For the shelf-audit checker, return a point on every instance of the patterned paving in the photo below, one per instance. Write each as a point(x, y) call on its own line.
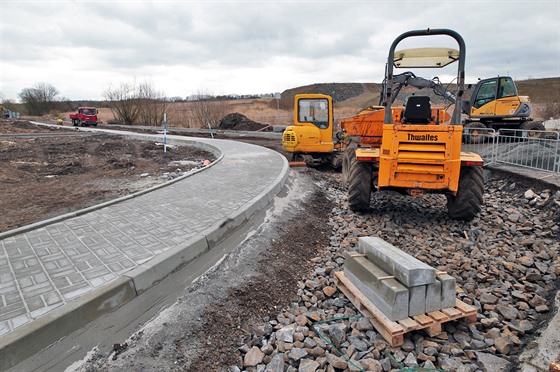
point(45, 268)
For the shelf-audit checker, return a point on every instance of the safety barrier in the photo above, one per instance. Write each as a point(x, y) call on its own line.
point(525, 148)
point(481, 141)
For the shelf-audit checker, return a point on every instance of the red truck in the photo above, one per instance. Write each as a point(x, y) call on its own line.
point(85, 116)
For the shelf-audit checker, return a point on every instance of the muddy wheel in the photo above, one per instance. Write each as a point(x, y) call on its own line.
point(535, 129)
point(348, 154)
point(75, 122)
point(468, 201)
point(359, 184)
point(474, 133)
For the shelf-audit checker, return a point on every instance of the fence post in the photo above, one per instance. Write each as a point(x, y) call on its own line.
point(557, 155)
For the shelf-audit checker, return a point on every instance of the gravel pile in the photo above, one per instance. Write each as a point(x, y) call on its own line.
point(505, 262)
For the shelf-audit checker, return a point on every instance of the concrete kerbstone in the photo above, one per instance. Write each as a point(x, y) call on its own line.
point(32, 337)
point(408, 270)
point(224, 228)
point(261, 201)
point(417, 300)
point(447, 290)
point(257, 204)
point(390, 296)
point(433, 296)
point(279, 182)
point(151, 272)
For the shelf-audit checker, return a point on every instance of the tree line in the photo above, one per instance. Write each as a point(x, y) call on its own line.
point(133, 103)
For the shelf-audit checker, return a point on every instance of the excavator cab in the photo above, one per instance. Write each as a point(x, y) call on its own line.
point(497, 98)
point(496, 104)
point(311, 137)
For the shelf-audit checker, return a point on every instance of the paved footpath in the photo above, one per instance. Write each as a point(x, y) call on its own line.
point(111, 253)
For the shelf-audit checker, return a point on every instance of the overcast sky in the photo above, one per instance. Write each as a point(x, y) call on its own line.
point(242, 47)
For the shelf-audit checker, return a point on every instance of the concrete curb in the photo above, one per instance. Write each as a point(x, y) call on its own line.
point(38, 334)
point(29, 339)
point(149, 274)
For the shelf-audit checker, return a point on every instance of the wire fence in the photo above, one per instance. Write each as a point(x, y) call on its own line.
point(525, 148)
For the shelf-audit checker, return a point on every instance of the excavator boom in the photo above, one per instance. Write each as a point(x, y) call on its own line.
point(409, 79)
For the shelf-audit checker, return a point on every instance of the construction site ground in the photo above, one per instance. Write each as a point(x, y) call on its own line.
point(218, 336)
point(49, 171)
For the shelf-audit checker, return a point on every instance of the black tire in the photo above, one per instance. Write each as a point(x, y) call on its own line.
point(467, 204)
point(533, 125)
point(472, 135)
point(348, 154)
point(75, 122)
point(359, 184)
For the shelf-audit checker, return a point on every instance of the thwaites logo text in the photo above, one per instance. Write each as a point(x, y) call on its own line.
point(422, 137)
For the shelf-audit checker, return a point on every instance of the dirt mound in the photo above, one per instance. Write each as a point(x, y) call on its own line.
point(236, 121)
point(23, 124)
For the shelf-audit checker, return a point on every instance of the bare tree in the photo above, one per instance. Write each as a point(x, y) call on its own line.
point(10, 105)
point(133, 103)
point(40, 99)
point(207, 109)
point(152, 104)
point(123, 102)
point(550, 110)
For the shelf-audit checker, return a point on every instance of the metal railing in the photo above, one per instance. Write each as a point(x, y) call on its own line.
point(525, 148)
point(480, 141)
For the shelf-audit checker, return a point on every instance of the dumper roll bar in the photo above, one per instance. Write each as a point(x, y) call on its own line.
point(456, 117)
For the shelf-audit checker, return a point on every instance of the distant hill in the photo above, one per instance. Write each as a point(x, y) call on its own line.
point(542, 90)
point(338, 91)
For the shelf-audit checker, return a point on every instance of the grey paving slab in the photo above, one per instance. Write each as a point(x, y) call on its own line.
point(53, 264)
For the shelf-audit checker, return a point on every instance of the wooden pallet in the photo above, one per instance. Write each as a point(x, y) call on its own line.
point(393, 331)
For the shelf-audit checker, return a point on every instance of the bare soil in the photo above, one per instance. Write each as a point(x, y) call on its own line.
point(43, 176)
point(204, 328)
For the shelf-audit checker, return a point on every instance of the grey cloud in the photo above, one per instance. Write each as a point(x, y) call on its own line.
point(127, 38)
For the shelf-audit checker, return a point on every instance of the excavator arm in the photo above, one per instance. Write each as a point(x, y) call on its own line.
point(408, 78)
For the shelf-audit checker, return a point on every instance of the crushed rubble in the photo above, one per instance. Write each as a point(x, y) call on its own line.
point(506, 262)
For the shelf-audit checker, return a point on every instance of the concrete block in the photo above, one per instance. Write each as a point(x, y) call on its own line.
point(35, 336)
point(408, 270)
point(224, 228)
point(151, 272)
point(390, 296)
point(447, 290)
point(417, 300)
point(433, 296)
point(254, 206)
